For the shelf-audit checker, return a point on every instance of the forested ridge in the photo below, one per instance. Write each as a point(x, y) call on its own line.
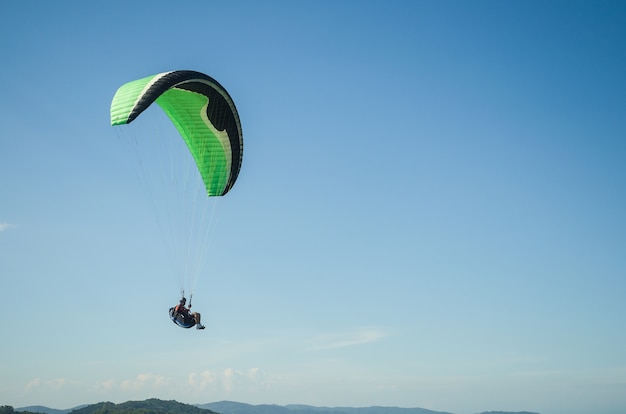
point(151, 406)
point(156, 406)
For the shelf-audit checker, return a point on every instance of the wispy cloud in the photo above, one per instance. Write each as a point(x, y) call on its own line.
point(200, 383)
point(202, 380)
point(234, 379)
point(346, 339)
point(32, 384)
point(142, 381)
point(227, 380)
point(54, 384)
point(6, 226)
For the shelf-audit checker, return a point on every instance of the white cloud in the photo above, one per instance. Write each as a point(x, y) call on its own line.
point(193, 386)
point(146, 380)
point(6, 226)
point(107, 385)
point(202, 380)
point(58, 383)
point(51, 385)
point(228, 380)
point(252, 373)
point(34, 383)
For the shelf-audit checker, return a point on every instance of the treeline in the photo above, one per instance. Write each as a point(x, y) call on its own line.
point(7, 409)
point(152, 406)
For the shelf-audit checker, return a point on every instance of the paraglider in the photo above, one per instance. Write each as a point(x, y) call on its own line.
point(183, 317)
point(205, 117)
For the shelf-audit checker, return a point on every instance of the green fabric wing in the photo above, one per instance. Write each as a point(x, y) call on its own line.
point(204, 115)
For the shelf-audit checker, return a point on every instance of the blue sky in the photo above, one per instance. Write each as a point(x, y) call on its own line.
point(430, 211)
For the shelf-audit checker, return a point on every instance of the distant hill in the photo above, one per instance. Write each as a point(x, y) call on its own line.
point(229, 407)
point(152, 406)
point(45, 410)
point(40, 409)
point(155, 406)
point(507, 412)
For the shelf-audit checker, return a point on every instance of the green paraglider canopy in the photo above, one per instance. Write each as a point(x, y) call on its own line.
point(203, 113)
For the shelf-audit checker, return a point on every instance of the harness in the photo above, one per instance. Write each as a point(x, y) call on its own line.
point(180, 320)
